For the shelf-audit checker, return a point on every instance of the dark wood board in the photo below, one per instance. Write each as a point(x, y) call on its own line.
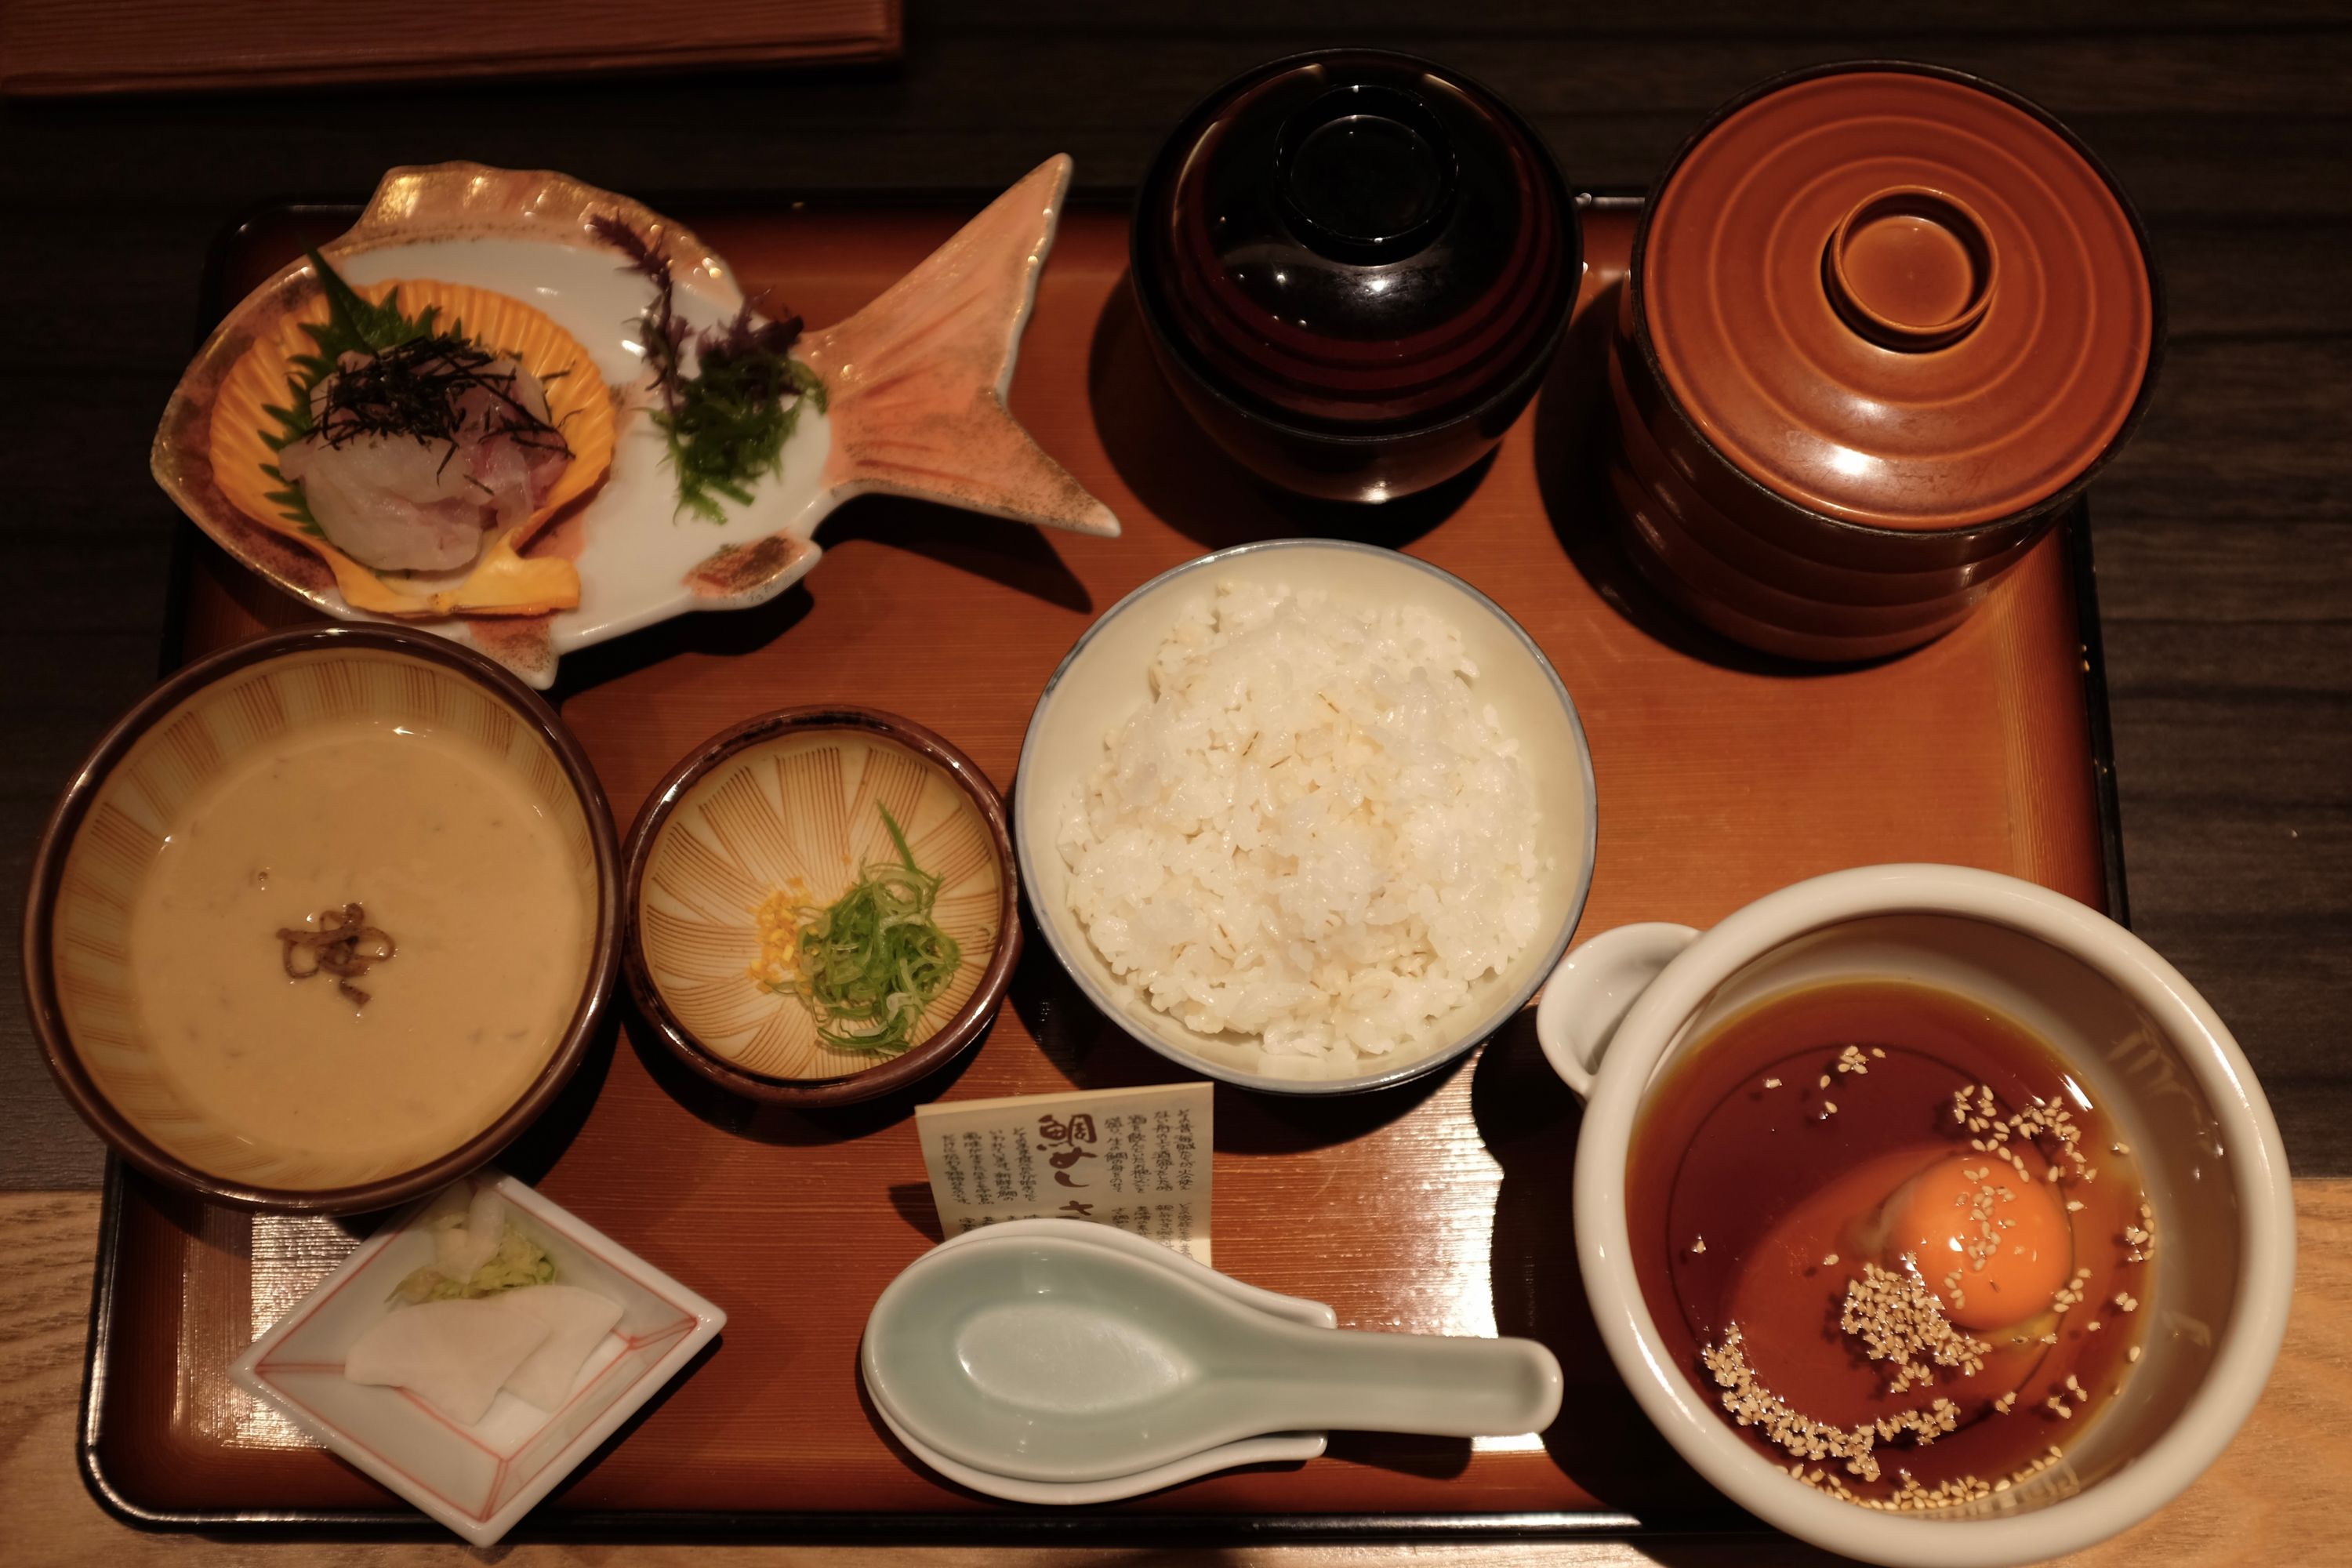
point(63, 48)
point(1438, 1207)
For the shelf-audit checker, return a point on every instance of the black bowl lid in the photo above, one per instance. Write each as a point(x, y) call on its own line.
point(1355, 238)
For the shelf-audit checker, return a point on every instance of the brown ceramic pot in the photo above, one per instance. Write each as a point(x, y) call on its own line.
point(1882, 323)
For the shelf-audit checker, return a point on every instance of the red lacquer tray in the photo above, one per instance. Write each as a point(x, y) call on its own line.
point(1442, 1207)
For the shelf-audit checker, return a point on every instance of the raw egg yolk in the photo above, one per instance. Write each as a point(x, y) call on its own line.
point(1992, 1245)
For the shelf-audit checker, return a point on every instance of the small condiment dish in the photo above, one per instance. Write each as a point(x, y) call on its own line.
point(1060, 1354)
point(1105, 678)
point(115, 819)
point(2149, 1050)
point(478, 1480)
point(786, 803)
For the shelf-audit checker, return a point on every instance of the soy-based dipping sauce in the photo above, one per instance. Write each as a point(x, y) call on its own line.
point(451, 856)
point(1886, 1232)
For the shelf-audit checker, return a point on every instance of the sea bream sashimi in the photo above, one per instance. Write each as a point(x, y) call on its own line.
point(416, 455)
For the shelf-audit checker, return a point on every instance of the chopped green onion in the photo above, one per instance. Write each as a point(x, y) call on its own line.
point(872, 962)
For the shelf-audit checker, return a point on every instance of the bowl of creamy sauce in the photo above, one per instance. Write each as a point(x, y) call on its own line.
point(325, 921)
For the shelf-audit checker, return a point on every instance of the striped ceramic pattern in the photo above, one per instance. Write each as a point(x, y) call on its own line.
point(802, 809)
point(137, 804)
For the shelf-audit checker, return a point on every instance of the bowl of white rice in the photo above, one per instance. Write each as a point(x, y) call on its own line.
point(1307, 815)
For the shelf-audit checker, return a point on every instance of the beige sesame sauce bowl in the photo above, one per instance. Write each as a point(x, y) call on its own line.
point(768, 824)
point(1109, 678)
point(262, 791)
point(1630, 1011)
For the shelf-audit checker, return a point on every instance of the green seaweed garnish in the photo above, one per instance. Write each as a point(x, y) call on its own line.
point(728, 426)
point(354, 325)
point(872, 962)
point(728, 421)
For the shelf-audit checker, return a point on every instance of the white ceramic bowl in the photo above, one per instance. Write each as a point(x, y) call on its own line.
point(1624, 1003)
point(1104, 680)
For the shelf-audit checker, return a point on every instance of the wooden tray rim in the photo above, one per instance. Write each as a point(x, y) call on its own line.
point(1034, 1527)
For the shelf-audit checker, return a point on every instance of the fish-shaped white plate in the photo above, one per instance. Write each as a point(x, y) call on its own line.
point(915, 388)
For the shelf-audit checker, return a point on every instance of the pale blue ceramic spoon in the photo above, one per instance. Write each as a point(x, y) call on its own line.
point(1049, 1355)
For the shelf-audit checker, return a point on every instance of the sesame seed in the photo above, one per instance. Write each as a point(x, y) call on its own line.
point(1751, 1404)
point(1897, 1322)
point(1896, 1318)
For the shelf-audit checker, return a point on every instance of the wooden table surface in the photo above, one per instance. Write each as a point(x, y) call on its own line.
point(2224, 535)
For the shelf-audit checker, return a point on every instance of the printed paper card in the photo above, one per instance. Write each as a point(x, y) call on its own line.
point(1135, 1158)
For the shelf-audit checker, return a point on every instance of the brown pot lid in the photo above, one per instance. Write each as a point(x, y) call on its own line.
point(1898, 298)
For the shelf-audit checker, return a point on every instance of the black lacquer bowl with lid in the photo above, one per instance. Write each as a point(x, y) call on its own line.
point(1356, 267)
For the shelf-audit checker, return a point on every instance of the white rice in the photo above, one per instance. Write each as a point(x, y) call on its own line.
point(1314, 833)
